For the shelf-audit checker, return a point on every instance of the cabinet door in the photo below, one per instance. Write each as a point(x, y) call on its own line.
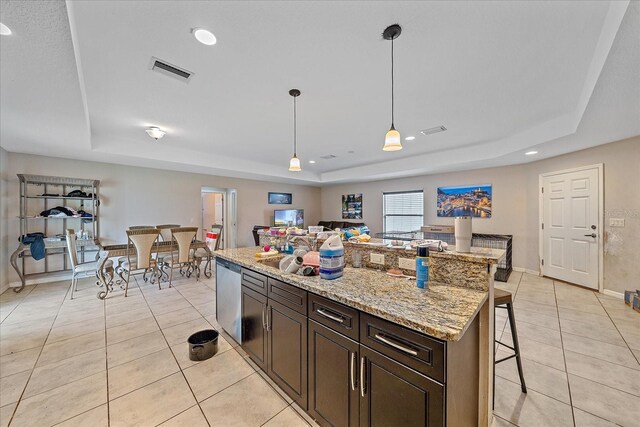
point(254, 333)
point(394, 395)
point(287, 348)
point(333, 377)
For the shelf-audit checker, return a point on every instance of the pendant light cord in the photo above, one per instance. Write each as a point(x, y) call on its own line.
point(392, 94)
point(294, 127)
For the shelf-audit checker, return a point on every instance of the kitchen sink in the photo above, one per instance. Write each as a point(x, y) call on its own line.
point(271, 262)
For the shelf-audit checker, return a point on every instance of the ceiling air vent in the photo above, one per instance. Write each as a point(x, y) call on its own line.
point(328, 157)
point(431, 131)
point(163, 67)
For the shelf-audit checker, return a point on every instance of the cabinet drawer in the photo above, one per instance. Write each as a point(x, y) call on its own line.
point(335, 316)
point(418, 351)
point(288, 295)
point(255, 281)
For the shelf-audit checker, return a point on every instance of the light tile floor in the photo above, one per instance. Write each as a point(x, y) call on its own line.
point(580, 354)
point(125, 361)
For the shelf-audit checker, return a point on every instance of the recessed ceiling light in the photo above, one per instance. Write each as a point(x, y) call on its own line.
point(155, 132)
point(4, 30)
point(410, 138)
point(204, 36)
point(312, 161)
point(530, 153)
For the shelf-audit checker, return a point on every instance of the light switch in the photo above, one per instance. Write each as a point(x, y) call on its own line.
point(616, 222)
point(407, 263)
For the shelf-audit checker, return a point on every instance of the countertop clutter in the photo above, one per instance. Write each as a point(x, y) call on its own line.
point(441, 311)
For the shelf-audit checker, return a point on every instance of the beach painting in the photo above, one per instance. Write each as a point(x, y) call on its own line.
point(469, 200)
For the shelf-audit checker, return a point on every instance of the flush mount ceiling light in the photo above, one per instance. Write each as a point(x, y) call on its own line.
point(155, 132)
point(294, 163)
point(204, 36)
point(392, 138)
point(312, 161)
point(4, 30)
point(530, 153)
point(410, 138)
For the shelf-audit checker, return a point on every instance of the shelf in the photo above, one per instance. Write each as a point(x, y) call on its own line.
point(57, 217)
point(59, 198)
point(58, 180)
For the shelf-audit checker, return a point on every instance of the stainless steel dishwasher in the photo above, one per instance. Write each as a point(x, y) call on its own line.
point(228, 298)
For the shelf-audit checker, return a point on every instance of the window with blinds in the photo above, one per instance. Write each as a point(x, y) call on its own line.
point(403, 211)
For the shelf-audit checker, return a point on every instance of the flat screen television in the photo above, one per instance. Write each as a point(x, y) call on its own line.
point(288, 218)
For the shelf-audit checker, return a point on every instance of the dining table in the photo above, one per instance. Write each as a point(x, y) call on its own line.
point(123, 249)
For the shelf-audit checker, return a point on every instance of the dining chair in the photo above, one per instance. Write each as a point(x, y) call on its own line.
point(86, 268)
point(165, 235)
point(201, 253)
point(144, 241)
point(123, 259)
point(182, 238)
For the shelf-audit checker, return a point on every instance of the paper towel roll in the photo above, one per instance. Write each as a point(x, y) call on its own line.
point(463, 233)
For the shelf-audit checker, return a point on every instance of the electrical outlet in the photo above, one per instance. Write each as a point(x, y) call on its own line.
point(407, 263)
point(376, 259)
point(616, 222)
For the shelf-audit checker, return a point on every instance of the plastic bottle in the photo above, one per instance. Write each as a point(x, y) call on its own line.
point(422, 267)
point(332, 258)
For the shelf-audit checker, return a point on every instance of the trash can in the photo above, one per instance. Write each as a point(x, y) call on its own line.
point(203, 344)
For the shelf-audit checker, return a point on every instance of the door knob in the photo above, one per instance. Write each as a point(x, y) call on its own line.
point(594, 235)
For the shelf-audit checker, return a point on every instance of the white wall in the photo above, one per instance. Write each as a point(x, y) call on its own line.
point(132, 195)
point(515, 204)
point(4, 220)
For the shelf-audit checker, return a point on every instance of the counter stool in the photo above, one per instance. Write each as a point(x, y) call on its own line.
point(503, 299)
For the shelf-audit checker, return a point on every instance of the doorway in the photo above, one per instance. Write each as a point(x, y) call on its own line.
point(219, 208)
point(571, 226)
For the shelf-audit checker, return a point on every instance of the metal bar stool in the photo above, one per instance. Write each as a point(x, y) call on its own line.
point(503, 299)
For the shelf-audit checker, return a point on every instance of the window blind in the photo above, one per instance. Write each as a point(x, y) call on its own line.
point(403, 211)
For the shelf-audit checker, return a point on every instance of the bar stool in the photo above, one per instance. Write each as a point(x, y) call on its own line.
point(503, 299)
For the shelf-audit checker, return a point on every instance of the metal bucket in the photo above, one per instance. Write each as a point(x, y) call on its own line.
point(203, 344)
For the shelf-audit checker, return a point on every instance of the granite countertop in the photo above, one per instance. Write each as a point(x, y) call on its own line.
point(443, 312)
point(478, 255)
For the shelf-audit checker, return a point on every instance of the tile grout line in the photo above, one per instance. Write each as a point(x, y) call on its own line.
point(618, 330)
point(174, 356)
point(39, 354)
point(564, 357)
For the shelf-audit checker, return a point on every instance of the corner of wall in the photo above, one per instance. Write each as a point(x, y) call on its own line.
point(4, 220)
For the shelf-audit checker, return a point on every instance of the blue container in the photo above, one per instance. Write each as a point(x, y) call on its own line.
point(331, 258)
point(422, 267)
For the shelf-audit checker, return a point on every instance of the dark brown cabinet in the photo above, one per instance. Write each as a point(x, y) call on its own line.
point(274, 331)
point(333, 377)
point(349, 368)
point(392, 394)
point(254, 329)
point(287, 351)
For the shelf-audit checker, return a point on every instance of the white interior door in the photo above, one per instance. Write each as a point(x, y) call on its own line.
point(570, 234)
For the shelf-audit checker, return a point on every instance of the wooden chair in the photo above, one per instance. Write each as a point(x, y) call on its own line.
point(86, 268)
point(504, 300)
point(143, 240)
point(182, 238)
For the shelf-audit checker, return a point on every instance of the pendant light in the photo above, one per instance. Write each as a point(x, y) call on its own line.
point(294, 163)
point(392, 138)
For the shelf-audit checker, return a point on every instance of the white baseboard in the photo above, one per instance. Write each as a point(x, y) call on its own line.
point(53, 277)
point(4, 288)
point(613, 293)
point(526, 270)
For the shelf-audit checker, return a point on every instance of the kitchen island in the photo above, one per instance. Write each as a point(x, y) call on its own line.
point(369, 348)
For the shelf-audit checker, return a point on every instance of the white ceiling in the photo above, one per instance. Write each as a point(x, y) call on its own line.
point(503, 77)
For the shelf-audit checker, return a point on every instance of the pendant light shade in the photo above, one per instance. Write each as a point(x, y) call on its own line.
point(392, 138)
point(294, 163)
